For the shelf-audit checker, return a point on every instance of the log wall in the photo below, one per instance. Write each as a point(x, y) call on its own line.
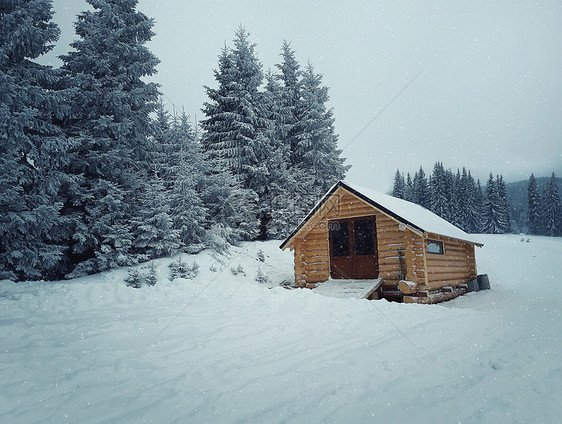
point(312, 250)
point(456, 266)
point(429, 271)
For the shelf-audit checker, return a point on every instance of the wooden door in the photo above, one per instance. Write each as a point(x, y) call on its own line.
point(353, 248)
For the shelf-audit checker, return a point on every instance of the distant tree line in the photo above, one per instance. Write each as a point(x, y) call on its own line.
point(461, 200)
point(95, 173)
point(458, 198)
point(544, 212)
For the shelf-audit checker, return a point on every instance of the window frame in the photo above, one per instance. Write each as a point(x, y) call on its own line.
point(439, 243)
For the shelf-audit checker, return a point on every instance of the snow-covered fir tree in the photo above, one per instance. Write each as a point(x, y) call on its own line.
point(462, 199)
point(234, 124)
point(492, 211)
point(110, 124)
point(399, 187)
point(290, 78)
point(235, 128)
point(503, 205)
point(409, 189)
point(277, 141)
point(154, 233)
point(534, 221)
point(316, 154)
point(440, 191)
point(249, 162)
point(551, 209)
point(189, 178)
point(472, 203)
point(479, 196)
point(278, 202)
point(454, 196)
point(293, 196)
point(421, 189)
point(217, 141)
point(33, 150)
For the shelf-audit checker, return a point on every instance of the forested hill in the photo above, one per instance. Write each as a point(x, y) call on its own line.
point(517, 196)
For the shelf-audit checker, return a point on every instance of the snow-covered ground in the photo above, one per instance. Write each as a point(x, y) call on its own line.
point(223, 348)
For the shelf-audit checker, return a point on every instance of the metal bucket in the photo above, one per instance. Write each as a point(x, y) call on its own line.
point(483, 282)
point(472, 285)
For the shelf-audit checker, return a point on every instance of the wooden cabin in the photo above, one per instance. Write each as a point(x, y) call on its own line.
point(359, 234)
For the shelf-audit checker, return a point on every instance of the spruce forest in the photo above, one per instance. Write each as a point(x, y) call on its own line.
point(96, 173)
point(461, 200)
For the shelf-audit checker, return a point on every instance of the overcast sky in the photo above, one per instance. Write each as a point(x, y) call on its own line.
point(488, 95)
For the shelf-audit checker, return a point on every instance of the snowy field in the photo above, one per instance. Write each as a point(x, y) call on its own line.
point(223, 348)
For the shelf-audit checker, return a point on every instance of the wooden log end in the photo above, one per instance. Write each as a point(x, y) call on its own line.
point(408, 287)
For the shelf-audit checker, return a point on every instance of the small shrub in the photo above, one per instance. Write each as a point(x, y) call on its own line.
point(213, 267)
point(151, 276)
point(261, 256)
point(180, 269)
point(261, 277)
point(237, 270)
point(192, 271)
point(134, 279)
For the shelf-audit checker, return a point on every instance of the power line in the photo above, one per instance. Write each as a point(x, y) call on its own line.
point(382, 110)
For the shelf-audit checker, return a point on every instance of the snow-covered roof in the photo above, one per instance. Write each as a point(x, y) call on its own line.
point(411, 214)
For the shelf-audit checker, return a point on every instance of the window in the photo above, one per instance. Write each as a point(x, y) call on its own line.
point(340, 238)
point(364, 243)
point(436, 247)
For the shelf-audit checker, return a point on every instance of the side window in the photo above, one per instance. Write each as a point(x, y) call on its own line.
point(435, 247)
point(340, 238)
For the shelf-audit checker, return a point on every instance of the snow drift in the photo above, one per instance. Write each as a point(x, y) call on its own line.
point(225, 348)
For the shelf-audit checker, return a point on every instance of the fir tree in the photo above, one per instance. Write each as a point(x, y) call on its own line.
point(189, 178)
point(503, 204)
point(249, 118)
point(314, 163)
point(317, 145)
point(110, 124)
point(317, 155)
point(234, 128)
point(399, 185)
point(479, 208)
point(422, 193)
point(291, 88)
point(472, 205)
point(154, 233)
point(236, 132)
point(278, 203)
point(534, 221)
point(218, 127)
point(409, 189)
point(440, 191)
point(453, 195)
point(551, 209)
point(492, 212)
point(33, 151)
point(463, 199)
